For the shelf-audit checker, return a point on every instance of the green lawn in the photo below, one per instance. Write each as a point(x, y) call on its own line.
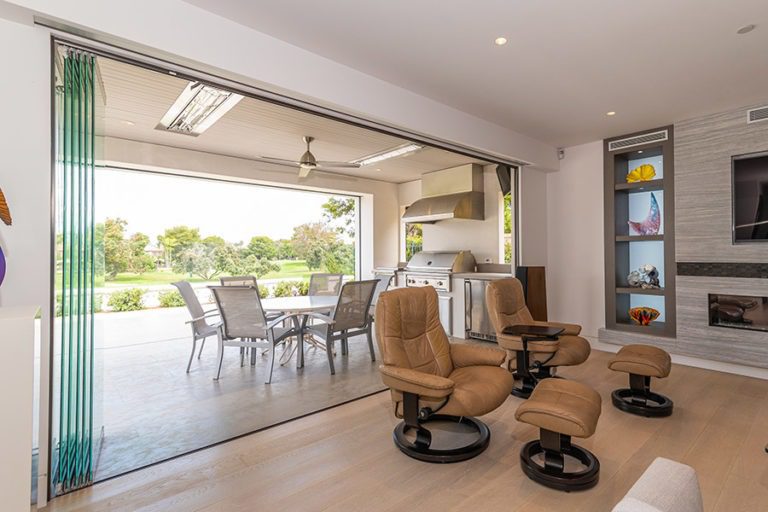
point(293, 269)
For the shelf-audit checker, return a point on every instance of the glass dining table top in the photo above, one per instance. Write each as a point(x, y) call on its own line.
point(300, 304)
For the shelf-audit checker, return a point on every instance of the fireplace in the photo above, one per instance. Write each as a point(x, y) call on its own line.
point(739, 312)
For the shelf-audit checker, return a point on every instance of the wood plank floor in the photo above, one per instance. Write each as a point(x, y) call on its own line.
point(343, 459)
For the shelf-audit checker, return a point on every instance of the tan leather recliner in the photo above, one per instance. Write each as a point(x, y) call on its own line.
point(426, 374)
point(506, 307)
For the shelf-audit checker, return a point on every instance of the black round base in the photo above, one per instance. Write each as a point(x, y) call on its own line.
point(419, 449)
point(650, 405)
point(561, 480)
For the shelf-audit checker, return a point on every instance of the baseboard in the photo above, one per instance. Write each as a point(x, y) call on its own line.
point(736, 369)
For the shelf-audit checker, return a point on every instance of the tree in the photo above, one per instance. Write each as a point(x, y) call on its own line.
point(209, 260)
point(177, 239)
point(116, 251)
point(413, 239)
point(340, 259)
point(214, 241)
point(262, 247)
point(138, 260)
point(341, 212)
point(307, 237)
point(285, 250)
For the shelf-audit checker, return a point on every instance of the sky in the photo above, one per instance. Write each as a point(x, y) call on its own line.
point(236, 212)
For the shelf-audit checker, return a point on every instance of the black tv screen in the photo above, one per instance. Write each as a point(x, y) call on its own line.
point(750, 198)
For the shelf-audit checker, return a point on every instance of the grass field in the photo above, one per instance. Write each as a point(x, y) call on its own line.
point(291, 269)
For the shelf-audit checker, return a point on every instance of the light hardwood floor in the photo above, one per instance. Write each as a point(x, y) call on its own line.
point(343, 459)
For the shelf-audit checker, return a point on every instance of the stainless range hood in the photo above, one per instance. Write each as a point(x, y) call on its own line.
point(455, 193)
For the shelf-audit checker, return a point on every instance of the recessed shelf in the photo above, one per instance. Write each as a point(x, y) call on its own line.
point(640, 291)
point(655, 328)
point(640, 186)
point(640, 238)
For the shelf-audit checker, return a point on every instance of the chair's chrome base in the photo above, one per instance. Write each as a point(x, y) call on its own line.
point(420, 448)
point(648, 404)
point(552, 473)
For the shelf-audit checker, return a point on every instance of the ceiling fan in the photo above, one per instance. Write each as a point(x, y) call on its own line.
point(308, 162)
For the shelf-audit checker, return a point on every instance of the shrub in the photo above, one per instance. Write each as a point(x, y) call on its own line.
point(131, 299)
point(263, 291)
point(170, 299)
point(98, 302)
point(286, 288)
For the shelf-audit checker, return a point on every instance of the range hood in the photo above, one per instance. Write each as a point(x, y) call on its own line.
point(455, 193)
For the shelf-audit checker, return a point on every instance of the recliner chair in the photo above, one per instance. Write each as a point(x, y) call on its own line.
point(505, 301)
point(428, 375)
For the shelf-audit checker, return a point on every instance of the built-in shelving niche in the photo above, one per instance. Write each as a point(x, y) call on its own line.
point(625, 249)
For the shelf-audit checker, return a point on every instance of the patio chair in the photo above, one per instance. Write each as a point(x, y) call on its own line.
point(350, 318)
point(201, 329)
point(325, 284)
point(245, 325)
point(382, 286)
point(245, 281)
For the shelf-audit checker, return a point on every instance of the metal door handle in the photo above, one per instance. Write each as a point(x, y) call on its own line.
point(467, 305)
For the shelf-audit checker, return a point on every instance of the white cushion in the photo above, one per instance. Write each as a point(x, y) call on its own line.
point(666, 486)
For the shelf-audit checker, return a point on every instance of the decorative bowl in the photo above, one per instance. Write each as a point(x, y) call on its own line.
point(643, 315)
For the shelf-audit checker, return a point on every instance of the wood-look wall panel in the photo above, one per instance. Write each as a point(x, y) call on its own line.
point(703, 150)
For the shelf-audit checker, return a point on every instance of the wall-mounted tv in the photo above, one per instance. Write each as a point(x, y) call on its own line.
point(750, 198)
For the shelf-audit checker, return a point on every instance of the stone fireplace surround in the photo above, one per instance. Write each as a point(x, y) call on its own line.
point(708, 262)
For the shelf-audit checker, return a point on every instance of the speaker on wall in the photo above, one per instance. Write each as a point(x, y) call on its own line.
point(504, 174)
point(534, 284)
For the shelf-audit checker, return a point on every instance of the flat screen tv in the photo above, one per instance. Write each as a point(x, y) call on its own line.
point(750, 198)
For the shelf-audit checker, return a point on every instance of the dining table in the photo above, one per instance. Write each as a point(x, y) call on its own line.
point(302, 306)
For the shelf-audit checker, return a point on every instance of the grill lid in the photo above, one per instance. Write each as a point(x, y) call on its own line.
point(442, 261)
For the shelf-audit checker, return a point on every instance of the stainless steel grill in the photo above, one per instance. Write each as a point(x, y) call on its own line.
point(433, 268)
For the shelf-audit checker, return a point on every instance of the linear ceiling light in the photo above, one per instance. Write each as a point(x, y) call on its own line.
point(387, 154)
point(197, 108)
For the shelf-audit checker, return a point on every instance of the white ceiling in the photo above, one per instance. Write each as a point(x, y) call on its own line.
point(137, 98)
point(567, 62)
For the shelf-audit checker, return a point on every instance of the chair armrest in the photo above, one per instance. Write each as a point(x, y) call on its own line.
point(568, 329)
point(209, 315)
point(473, 355)
point(423, 384)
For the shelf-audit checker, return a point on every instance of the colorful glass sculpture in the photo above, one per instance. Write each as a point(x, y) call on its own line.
point(2, 265)
point(5, 212)
point(645, 172)
point(643, 315)
point(651, 224)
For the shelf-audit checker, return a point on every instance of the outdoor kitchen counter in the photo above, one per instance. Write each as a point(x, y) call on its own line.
point(482, 275)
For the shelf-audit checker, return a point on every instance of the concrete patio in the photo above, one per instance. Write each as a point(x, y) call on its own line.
point(151, 409)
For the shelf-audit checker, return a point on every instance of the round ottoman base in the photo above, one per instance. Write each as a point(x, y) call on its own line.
point(559, 479)
point(648, 404)
point(420, 447)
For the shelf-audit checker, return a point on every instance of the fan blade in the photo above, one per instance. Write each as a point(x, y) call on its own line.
point(277, 161)
point(304, 172)
point(338, 165)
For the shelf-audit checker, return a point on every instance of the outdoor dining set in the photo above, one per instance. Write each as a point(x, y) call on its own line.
point(331, 311)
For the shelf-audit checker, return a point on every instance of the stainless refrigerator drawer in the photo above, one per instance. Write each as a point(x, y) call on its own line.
point(477, 322)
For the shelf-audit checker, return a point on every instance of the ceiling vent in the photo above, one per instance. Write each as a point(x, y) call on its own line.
point(756, 115)
point(638, 140)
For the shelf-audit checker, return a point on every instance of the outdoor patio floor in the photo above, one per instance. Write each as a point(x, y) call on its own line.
point(152, 410)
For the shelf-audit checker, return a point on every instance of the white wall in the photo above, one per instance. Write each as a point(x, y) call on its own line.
point(379, 205)
point(575, 258)
point(25, 179)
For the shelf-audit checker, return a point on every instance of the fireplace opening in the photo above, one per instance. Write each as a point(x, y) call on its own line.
point(739, 312)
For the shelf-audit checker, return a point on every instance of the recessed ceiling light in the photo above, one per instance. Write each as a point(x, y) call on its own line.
point(746, 29)
point(127, 122)
point(500, 41)
point(640, 152)
point(611, 113)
